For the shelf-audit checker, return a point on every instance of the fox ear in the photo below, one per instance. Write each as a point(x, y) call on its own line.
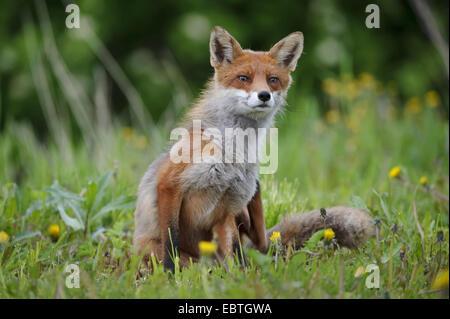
point(223, 47)
point(288, 50)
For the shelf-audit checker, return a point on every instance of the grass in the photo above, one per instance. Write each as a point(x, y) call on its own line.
point(324, 160)
point(83, 177)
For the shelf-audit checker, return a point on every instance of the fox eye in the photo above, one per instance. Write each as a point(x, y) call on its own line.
point(243, 78)
point(273, 79)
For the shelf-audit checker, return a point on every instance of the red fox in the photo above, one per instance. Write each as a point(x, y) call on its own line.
point(180, 204)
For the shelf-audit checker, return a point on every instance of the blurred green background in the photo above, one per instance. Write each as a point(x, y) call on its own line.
point(141, 64)
point(163, 45)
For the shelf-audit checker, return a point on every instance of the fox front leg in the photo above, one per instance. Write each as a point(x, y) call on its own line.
point(229, 243)
point(257, 230)
point(169, 204)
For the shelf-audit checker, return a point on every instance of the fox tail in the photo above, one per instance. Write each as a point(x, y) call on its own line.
point(352, 227)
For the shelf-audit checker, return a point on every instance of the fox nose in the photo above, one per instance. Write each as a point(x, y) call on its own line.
point(264, 96)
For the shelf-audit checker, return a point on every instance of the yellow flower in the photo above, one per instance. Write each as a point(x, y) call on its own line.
point(141, 142)
point(275, 236)
point(395, 172)
point(366, 80)
point(207, 248)
point(359, 271)
point(328, 234)
point(53, 231)
point(330, 86)
point(360, 110)
point(441, 280)
point(353, 124)
point(423, 180)
point(413, 106)
point(432, 99)
point(332, 116)
point(351, 91)
point(127, 133)
point(3, 237)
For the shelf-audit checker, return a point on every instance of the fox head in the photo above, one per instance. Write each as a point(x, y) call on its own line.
point(253, 83)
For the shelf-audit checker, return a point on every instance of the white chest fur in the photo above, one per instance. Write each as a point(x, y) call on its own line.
point(236, 181)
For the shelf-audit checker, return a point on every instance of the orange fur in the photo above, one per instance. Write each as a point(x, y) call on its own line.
point(259, 67)
point(187, 216)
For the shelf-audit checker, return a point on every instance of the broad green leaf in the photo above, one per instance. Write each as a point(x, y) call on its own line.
point(120, 203)
point(69, 221)
point(78, 211)
point(386, 256)
point(97, 232)
point(383, 204)
point(358, 202)
point(91, 193)
point(311, 243)
point(299, 258)
point(60, 196)
point(26, 235)
point(261, 260)
point(102, 184)
point(36, 205)
point(57, 191)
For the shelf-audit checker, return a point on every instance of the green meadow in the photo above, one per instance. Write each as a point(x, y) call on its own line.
point(342, 158)
point(72, 153)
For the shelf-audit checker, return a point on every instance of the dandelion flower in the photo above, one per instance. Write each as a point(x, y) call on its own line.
point(53, 231)
point(328, 235)
point(141, 142)
point(432, 99)
point(359, 271)
point(127, 133)
point(361, 109)
point(423, 180)
point(351, 91)
point(441, 280)
point(413, 106)
point(275, 236)
point(395, 172)
point(3, 237)
point(353, 124)
point(330, 86)
point(366, 80)
point(332, 116)
point(207, 248)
